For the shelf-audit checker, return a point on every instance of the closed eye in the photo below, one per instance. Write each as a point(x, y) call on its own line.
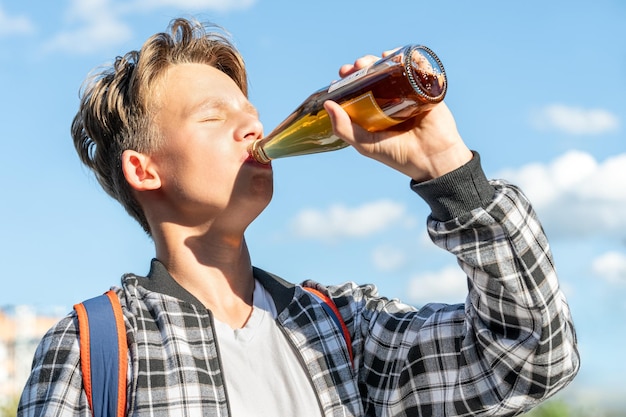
point(212, 119)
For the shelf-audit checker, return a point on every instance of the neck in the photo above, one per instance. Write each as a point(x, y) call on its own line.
point(215, 268)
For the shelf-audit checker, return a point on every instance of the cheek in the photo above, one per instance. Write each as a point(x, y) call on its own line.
point(191, 178)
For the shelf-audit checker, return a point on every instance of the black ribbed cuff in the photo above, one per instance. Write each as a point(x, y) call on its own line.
point(457, 192)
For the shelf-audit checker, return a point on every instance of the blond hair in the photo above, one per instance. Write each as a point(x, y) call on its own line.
point(116, 111)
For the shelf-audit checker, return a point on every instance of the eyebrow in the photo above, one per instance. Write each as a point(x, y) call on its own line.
point(219, 103)
point(249, 107)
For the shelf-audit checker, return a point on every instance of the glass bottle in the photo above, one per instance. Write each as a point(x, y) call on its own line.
point(388, 92)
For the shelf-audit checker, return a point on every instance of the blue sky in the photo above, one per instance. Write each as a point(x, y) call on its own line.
point(537, 87)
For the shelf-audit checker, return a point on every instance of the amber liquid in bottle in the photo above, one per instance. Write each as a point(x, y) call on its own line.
point(392, 90)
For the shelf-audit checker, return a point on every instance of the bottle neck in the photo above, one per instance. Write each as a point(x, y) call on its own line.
point(257, 152)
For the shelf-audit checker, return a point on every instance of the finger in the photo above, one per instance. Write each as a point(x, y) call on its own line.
point(366, 61)
point(346, 69)
point(362, 62)
point(342, 125)
point(389, 52)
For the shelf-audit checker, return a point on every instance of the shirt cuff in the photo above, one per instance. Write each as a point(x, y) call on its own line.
point(457, 192)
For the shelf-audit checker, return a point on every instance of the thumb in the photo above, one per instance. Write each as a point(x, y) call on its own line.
point(342, 125)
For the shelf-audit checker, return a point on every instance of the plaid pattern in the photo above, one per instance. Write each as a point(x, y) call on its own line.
point(510, 345)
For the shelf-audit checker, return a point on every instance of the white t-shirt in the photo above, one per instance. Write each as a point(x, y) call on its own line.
point(262, 373)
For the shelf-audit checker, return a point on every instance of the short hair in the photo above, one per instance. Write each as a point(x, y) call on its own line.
point(116, 112)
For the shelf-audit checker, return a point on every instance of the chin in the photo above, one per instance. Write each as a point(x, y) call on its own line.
point(254, 211)
point(255, 194)
point(262, 188)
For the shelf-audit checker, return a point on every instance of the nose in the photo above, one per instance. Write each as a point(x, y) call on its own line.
point(250, 129)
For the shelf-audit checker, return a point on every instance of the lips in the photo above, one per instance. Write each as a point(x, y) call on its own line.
point(251, 161)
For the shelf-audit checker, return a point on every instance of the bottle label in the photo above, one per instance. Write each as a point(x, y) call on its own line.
point(364, 111)
point(347, 80)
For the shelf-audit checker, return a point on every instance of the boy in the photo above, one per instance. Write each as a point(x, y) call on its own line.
point(166, 132)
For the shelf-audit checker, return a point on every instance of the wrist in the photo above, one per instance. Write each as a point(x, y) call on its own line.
point(439, 164)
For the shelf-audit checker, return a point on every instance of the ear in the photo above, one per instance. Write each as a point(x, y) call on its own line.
point(139, 171)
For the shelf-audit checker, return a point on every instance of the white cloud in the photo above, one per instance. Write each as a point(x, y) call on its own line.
point(340, 221)
point(217, 5)
point(387, 258)
point(576, 195)
point(575, 120)
point(14, 25)
point(97, 24)
point(449, 285)
point(610, 267)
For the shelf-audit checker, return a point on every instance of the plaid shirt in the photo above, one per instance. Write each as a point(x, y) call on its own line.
point(509, 346)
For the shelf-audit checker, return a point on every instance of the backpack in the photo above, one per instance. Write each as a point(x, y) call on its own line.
point(104, 349)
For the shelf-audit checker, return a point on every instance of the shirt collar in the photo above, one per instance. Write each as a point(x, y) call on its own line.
point(159, 280)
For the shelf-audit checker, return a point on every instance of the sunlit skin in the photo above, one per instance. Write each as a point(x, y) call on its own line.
point(201, 190)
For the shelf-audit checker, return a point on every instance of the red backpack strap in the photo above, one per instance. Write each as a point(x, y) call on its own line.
point(103, 354)
point(330, 307)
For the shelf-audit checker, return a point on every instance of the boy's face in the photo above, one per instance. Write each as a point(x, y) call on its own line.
point(205, 169)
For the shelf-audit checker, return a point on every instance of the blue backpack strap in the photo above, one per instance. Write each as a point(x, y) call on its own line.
point(103, 354)
point(333, 312)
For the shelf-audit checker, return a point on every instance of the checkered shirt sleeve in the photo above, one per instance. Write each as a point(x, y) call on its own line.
point(55, 386)
point(511, 345)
